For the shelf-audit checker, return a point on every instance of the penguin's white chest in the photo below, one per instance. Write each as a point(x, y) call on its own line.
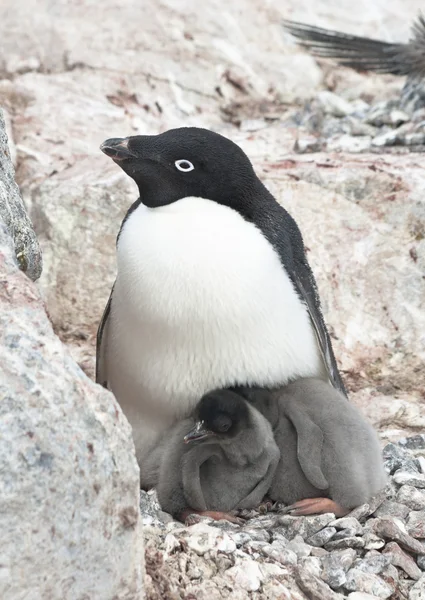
point(201, 301)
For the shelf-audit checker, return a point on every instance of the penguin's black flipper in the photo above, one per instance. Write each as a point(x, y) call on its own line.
point(308, 293)
point(309, 445)
point(362, 53)
point(101, 340)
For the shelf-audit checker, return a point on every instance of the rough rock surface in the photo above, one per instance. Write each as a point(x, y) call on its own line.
point(69, 518)
point(13, 213)
point(275, 556)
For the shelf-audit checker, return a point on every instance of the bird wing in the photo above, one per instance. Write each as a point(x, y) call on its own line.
point(362, 53)
point(101, 344)
point(309, 445)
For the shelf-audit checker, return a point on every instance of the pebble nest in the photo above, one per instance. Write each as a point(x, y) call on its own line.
point(376, 551)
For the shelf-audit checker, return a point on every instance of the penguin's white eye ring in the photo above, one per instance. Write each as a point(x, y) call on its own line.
point(184, 165)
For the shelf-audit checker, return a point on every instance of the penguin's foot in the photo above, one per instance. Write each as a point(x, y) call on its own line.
point(315, 506)
point(190, 516)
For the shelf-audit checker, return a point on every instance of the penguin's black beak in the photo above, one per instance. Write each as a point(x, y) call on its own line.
point(199, 432)
point(117, 149)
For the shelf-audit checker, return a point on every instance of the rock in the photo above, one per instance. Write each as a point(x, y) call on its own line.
point(284, 556)
point(358, 580)
point(416, 524)
point(364, 510)
point(401, 559)
point(321, 537)
point(69, 507)
point(361, 596)
point(315, 588)
point(298, 546)
point(333, 104)
point(421, 562)
point(374, 563)
point(372, 541)
point(202, 538)
point(388, 528)
point(348, 542)
point(347, 523)
point(392, 509)
point(14, 215)
point(411, 497)
point(396, 458)
point(413, 442)
point(345, 533)
point(405, 478)
point(335, 567)
point(304, 526)
point(417, 592)
point(246, 574)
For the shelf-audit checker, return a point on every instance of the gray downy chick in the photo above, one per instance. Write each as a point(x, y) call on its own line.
point(331, 459)
point(222, 459)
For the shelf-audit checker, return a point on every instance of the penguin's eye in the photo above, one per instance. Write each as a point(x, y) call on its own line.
point(223, 424)
point(184, 165)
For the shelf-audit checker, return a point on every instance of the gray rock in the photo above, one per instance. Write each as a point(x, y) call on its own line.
point(14, 214)
point(69, 509)
point(313, 586)
point(322, 537)
point(372, 541)
point(406, 478)
point(300, 548)
point(333, 104)
point(360, 581)
point(348, 542)
point(303, 526)
point(392, 509)
point(417, 592)
point(360, 512)
point(396, 458)
point(416, 524)
point(411, 497)
point(361, 596)
point(277, 552)
point(413, 442)
point(335, 567)
point(401, 559)
point(345, 533)
point(374, 563)
point(421, 561)
point(388, 528)
point(347, 523)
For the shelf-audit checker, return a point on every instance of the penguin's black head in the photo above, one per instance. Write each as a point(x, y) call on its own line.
point(220, 416)
point(184, 162)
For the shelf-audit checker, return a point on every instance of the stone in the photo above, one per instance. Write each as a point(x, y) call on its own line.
point(374, 563)
point(361, 596)
point(347, 523)
point(303, 526)
point(335, 567)
point(202, 538)
point(413, 442)
point(333, 104)
point(345, 533)
point(411, 497)
point(322, 537)
point(388, 528)
point(348, 542)
point(396, 458)
point(284, 556)
point(393, 509)
point(246, 574)
point(416, 524)
point(372, 541)
point(417, 592)
point(401, 559)
point(14, 214)
point(358, 580)
point(405, 478)
point(315, 588)
point(421, 561)
point(69, 504)
point(298, 546)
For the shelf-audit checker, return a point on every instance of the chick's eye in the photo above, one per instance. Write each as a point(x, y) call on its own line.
point(184, 165)
point(223, 424)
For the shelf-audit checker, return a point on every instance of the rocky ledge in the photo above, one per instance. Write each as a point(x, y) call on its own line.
point(377, 551)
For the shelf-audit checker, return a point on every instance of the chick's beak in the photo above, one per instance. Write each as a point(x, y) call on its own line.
point(199, 432)
point(117, 149)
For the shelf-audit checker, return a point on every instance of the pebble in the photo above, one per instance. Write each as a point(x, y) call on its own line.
point(374, 563)
point(370, 583)
point(347, 523)
point(282, 555)
point(322, 537)
point(416, 524)
point(396, 458)
point(334, 105)
point(344, 533)
point(411, 497)
point(421, 561)
point(414, 442)
point(298, 546)
point(400, 558)
point(393, 509)
point(361, 596)
point(405, 478)
point(335, 567)
point(372, 541)
point(389, 529)
point(304, 526)
point(246, 574)
point(349, 542)
point(314, 587)
point(417, 592)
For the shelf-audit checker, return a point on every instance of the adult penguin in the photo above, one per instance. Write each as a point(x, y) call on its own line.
point(213, 286)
